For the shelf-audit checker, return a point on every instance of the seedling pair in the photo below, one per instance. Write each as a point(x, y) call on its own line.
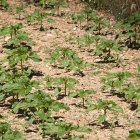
point(66, 58)
point(67, 83)
point(60, 129)
point(83, 15)
point(131, 29)
point(115, 81)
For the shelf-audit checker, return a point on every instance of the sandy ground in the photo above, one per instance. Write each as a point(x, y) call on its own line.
point(49, 40)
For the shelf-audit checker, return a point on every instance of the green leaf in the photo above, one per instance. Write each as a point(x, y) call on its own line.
point(83, 129)
point(101, 118)
point(50, 20)
point(6, 132)
point(2, 97)
point(35, 57)
point(57, 90)
point(134, 134)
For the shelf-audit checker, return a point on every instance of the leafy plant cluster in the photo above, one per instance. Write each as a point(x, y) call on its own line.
point(134, 134)
point(105, 106)
point(66, 58)
point(38, 16)
point(54, 5)
point(101, 105)
point(118, 85)
point(131, 30)
point(38, 105)
point(4, 4)
point(6, 132)
point(26, 97)
point(94, 22)
point(19, 49)
point(107, 50)
point(16, 82)
point(68, 85)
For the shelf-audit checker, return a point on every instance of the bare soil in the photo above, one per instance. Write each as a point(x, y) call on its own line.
point(49, 40)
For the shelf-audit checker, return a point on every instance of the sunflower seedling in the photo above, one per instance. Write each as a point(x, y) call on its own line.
point(67, 82)
point(100, 22)
point(20, 39)
point(132, 93)
point(85, 41)
point(21, 55)
point(60, 129)
point(66, 58)
point(87, 12)
point(58, 4)
point(115, 81)
point(7, 133)
point(4, 4)
point(49, 82)
point(19, 10)
point(11, 30)
point(82, 94)
point(17, 83)
point(78, 17)
point(134, 134)
point(38, 16)
point(130, 31)
point(104, 106)
point(107, 50)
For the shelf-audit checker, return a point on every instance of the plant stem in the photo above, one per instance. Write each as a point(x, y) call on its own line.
point(80, 24)
point(135, 36)
point(41, 23)
point(17, 96)
point(105, 114)
point(83, 102)
point(58, 9)
point(11, 35)
point(19, 16)
point(13, 98)
point(87, 19)
point(99, 29)
point(21, 65)
point(65, 88)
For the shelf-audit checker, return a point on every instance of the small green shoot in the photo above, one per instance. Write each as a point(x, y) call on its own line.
point(82, 94)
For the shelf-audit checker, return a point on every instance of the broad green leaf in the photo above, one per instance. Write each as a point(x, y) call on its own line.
point(101, 118)
point(134, 134)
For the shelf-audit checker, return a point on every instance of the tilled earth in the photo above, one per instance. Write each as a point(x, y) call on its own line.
point(50, 39)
